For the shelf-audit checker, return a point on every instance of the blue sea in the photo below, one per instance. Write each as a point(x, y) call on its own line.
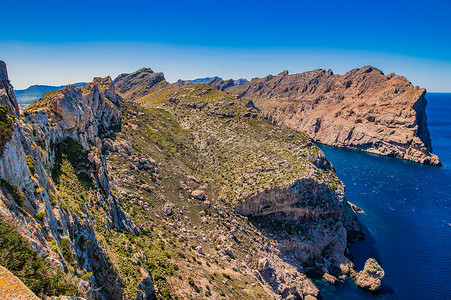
point(407, 215)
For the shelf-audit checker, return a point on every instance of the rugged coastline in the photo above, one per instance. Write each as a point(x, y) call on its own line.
point(135, 188)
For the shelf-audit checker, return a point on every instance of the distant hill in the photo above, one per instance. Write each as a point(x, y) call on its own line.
point(196, 81)
point(35, 92)
point(217, 82)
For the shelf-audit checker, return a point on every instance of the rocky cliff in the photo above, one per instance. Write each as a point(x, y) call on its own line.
point(186, 192)
point(7, 95)
point(363, 109)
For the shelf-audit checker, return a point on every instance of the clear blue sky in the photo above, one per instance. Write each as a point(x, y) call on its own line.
point(59, 42)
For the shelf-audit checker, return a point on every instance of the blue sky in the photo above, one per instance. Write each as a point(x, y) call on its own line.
point(58, 42)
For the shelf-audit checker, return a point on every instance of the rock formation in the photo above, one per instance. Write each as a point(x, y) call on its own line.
point(7, 96)
point(139, 83)
point(12, 288)
point(363, 109)
point(370, 278)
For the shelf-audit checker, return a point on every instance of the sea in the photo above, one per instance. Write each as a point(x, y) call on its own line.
point(407, 215)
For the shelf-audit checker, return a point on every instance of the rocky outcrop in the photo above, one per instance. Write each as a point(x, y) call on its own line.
point(7, 96)
point(140, 83)
point(370, 278)
point(221, 85)
point(363, 110)
point(317, 209)
point(12, 288)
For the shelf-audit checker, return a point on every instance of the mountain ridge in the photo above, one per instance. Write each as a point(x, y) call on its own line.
point(362, 110)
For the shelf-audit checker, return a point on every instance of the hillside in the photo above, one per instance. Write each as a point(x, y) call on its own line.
point(186, 193)
point(362, 109)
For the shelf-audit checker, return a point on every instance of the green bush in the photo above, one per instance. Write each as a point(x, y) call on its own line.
point(67, 254)
point(15, 191)
point(40, 215)
point(6, 126)
point(30, 164)
point(24, 262)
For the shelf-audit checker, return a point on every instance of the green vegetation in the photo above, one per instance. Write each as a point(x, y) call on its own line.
point(24, 262)
point(30, 164)
point(6, 126)
point(40, 215)
point(42, 102)
point(15, 191)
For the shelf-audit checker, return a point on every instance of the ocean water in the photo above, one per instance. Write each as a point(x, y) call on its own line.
point(407, 215)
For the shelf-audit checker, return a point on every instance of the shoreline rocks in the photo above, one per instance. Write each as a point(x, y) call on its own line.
point(370, 278)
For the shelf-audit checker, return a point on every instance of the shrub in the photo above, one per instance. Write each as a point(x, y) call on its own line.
point(54, 247)
point(6, 126)
point(30, 164)
point(40, 215)
point(15, 191)
point(39, 190)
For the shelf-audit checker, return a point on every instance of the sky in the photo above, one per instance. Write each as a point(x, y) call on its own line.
point(61, 42)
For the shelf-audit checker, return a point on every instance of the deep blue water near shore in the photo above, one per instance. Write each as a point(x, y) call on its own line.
point(407, 215)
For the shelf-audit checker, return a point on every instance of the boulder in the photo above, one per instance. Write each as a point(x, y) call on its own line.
point(330, 278)
point(370, 278)
point(198, 194)
point(263, 264)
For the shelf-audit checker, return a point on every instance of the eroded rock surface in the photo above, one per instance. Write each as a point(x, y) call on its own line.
point(12, 288)
point(363, 109)
point(370, 278)
point(139, 83)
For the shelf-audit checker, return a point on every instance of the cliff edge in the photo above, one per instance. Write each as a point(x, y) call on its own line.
point(363, 110)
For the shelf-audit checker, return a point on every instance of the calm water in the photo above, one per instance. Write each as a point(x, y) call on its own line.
point(407, 215)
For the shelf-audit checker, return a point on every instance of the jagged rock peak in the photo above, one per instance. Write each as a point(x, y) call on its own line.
point(7, 95)
point(283, 73)
point(79, 112)
point(137, 84)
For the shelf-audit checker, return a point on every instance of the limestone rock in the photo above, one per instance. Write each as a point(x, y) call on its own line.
point(198, 194)
point(263, 264)
point(330, 278)
point(363, 110)
point(12, 287)
point(137, 84)
point(370, 278)
point(7, 95)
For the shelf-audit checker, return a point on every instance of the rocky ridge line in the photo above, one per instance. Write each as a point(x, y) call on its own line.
point(363, 110)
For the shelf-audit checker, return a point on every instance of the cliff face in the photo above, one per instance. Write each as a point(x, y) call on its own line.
point(363, 110)
point(173, 194)
point(7, 96)
point(54, 160)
